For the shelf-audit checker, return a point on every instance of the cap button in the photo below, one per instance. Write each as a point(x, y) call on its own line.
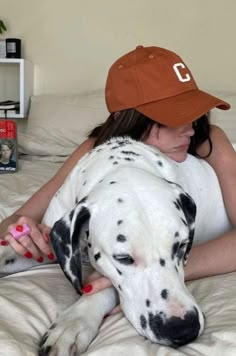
point(140, 46)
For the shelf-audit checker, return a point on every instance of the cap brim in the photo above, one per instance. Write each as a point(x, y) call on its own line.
point(182, 109)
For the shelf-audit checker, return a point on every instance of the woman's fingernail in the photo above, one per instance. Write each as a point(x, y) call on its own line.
point(87, 289)
point(47, 237)
point(28, 255)
point(40, 259)
point(4, 243)
point(51, 256)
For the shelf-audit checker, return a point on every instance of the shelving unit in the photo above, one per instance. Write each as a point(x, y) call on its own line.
point(16, 83)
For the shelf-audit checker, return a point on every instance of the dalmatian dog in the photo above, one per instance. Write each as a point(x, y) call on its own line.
point(134, 214)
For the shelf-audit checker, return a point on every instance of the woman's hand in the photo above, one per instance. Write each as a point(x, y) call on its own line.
point(33, 245)
point(95, 283)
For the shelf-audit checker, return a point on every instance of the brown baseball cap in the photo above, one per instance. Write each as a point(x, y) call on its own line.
point(157, 83)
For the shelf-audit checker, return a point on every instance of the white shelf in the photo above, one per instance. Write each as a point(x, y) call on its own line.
point(16, 83)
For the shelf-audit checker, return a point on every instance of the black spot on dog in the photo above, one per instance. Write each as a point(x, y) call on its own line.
point(100, 181)
point(114, 147)
point(143, 322)
point(85, 182)
point(129, 159)
point(177, 205)
point(131, 153)
point(123, 142)
point(97, 256)
point(121, 238)
point(9, 261)
point(148, 303)
point(89, 245)
point(164, 293)
point(83, 200)
point(120, 288)
point(113, 182)
point(84, 171)
point(111, 157)
point(162, 262)
point(160, 164)
point(120, 200)
point(119, 222)
point(184, 222)
point(114, 163)
point(87, 233)
point(177, 234)
point(119, 271)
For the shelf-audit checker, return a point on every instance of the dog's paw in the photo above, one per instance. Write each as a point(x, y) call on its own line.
point(69, 336)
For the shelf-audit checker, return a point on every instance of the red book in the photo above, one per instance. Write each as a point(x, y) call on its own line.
point(8, 146)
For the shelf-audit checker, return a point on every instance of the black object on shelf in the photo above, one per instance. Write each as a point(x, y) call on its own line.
point(13, 48)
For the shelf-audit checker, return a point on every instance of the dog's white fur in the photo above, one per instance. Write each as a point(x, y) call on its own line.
point(152, 225)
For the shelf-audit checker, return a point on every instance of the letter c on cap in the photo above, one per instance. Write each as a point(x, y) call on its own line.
point(176, 67)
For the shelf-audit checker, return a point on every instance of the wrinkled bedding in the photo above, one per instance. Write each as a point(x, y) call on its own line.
point(30, 300)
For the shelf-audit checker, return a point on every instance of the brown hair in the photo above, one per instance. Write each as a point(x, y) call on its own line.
point(137, 126)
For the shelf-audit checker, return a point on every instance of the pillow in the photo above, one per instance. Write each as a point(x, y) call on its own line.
point(226, 119)
point(58, 124)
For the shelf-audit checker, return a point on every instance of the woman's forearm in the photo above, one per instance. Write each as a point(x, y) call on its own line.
point(214, 257)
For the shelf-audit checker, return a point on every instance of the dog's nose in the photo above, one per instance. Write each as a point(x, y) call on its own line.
point(177, 331)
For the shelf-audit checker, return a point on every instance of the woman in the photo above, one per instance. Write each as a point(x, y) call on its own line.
point(152, 97)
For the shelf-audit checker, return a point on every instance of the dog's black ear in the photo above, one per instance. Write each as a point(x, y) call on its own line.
point(65, 238)
point(189, 208)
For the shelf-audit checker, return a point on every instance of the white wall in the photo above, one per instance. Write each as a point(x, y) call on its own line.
point(73, 43)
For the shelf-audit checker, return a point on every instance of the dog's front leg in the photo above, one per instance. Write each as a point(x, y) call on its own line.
point(78, 325)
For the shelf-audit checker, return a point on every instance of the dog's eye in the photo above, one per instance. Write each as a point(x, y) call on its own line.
point(124, 259)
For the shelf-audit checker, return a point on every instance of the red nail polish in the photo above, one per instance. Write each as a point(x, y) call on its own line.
point(4, 243)
point(28, 255)
point(40, 259)
point(51, 256)
point(87, 289)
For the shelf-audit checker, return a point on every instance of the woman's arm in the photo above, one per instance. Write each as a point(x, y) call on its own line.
point(218, 256)
point(33, 210)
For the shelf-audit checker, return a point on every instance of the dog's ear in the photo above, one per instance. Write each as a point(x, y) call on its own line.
point(65, 237)
point(189, 209)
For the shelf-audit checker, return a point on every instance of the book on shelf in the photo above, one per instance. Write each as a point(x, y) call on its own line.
point(9, 104)
point(8, 146)
point(8, 113)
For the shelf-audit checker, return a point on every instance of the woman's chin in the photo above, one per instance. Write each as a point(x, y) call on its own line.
point(179, 157)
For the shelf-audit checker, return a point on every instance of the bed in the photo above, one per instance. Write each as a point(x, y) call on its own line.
point(30, 300)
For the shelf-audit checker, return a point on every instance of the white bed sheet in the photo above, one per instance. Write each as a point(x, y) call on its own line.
point(30, 300)
point(16, 188)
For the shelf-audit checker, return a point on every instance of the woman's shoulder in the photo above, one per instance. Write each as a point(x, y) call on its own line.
point(222, 148)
